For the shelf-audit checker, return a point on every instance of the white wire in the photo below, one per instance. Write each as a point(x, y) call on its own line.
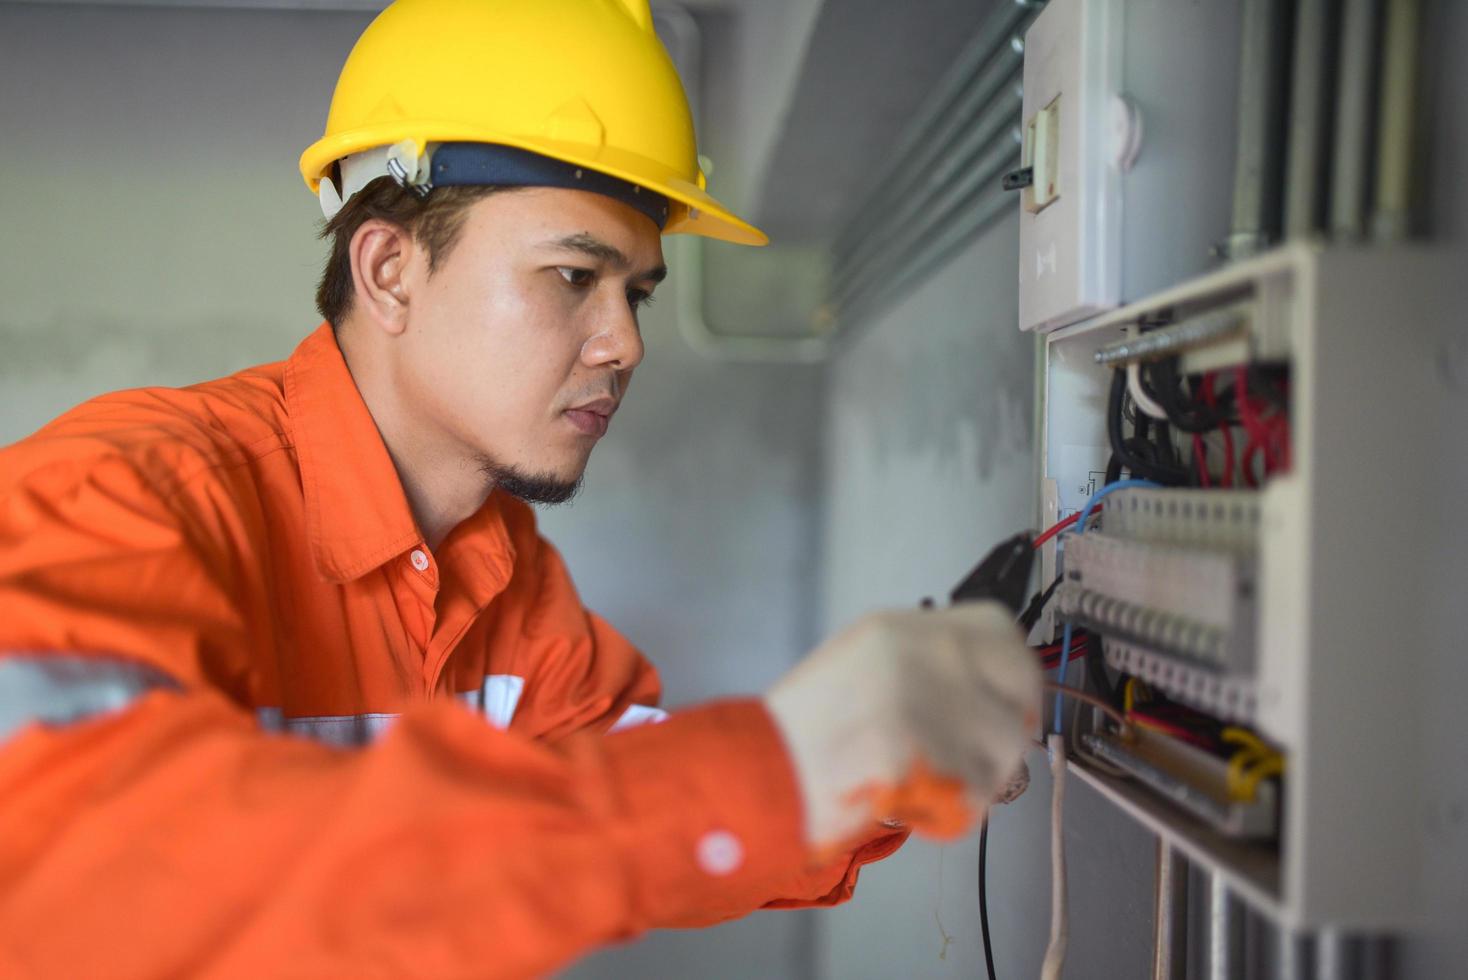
point(1059, 920)
point(1140, 398)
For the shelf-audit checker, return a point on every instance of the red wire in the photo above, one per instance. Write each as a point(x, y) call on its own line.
point(1259, 433)
point(1075, 657)
point(1176, 731)
point(1050, 661)
point(1271, 436)
point(1053, 650)
point(1211, 400)
point(1281, 434)
point(1059, 526)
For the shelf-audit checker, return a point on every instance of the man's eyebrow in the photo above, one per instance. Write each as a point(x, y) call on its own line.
point(598, 249)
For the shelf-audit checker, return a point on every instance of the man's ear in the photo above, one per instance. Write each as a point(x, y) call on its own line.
point(380, 252)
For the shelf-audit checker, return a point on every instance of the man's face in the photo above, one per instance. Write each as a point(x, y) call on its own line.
point(520, 345)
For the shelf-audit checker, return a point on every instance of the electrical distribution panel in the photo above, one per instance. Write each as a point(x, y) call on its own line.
point(1267, 613)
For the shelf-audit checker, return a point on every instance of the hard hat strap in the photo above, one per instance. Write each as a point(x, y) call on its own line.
point(481, 165)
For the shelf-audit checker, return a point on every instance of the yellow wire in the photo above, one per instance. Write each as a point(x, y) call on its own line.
point(1251, 764)
point(1273, 766)
point(1241, 736)
point(1133, 688)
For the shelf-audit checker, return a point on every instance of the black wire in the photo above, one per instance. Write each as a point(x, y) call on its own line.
point(984, 896)
point(1031, 615)
point(1152, 440)
point(1166, 450)
point(1162, 381)
point(1269, 383)
point(1174, 476)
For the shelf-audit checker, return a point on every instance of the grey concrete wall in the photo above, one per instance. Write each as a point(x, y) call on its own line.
point(155, 227)
point(929, 462)
point(156, 232)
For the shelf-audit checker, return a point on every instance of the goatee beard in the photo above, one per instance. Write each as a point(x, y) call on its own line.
point(532, 489)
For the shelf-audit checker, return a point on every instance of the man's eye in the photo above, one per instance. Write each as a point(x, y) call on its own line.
point(638, 298)
point(576, 277)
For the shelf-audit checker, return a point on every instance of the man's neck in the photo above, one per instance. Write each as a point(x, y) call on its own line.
point(443, 487)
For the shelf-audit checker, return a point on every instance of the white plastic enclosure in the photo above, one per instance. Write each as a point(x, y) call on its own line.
point(1356, 592)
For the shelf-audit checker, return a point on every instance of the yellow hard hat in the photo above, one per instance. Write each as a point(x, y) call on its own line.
point(585, 83)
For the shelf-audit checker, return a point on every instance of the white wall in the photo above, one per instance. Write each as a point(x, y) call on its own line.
point(156, 231)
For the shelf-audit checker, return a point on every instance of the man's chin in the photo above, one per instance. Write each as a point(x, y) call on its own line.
point(534, 488)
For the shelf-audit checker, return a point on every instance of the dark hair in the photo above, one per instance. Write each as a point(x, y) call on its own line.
point(435, 222)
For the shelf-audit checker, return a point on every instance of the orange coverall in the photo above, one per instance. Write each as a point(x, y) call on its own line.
point(250, 725)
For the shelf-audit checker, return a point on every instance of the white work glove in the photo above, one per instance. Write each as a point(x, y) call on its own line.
point(952, 692)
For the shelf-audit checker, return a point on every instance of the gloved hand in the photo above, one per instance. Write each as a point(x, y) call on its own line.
point(902, 698)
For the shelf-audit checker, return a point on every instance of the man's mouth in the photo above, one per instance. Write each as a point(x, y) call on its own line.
point(592, 418)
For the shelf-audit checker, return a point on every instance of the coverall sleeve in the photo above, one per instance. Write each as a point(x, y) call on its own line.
point(172, 838)
point(585, 676)
point(151, 829)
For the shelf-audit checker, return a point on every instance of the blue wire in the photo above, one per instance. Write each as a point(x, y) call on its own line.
point(1064, 663)
point(1060, 561)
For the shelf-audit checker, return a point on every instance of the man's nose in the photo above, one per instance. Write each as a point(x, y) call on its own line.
point(617, 341)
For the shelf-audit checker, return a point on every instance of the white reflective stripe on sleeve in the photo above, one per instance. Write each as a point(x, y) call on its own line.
point(497, 699)
point(638, 714)
point(57, 688)
point(501, 698)
point(344, 731)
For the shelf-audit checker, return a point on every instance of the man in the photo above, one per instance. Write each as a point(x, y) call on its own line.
point(289, 684)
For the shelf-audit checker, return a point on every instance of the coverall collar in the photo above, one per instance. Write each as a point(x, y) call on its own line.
point(357, 516)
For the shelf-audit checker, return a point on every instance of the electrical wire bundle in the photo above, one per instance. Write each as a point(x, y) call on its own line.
point(1050, 654)
point(1157, 402)
point(1161, 406)
point(1250, 759)
point(1074, 644)
point(1156, 713)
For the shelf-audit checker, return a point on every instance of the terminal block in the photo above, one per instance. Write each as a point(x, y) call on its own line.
point(1170, 586)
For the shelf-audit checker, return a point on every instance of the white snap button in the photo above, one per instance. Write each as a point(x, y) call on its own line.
point(720, 853)
point(419, 560)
